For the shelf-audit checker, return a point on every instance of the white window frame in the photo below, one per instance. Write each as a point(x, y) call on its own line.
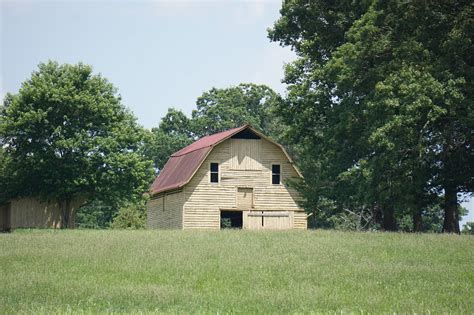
point(271, 176)
point(218, 173)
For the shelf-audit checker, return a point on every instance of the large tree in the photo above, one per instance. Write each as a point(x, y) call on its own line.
point(221, 109)
point(381, 102)
point(67, 135)
point(172, 134)
point(216, 110)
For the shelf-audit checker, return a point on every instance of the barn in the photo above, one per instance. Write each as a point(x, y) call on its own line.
point(236, 178)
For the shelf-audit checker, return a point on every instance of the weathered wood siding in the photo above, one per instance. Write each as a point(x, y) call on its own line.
point(203, 200)
point(245, 154)
point(34, 213)
point(300, 220)
point(166, 211)
point(269, 220)
point(244, 198)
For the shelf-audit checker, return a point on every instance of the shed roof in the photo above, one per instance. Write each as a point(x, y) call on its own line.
point(182, 164)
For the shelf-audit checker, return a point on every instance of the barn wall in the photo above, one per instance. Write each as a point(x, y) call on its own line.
point(203, 200)
point(300, 220)
point(33, 213)
point(166, 211)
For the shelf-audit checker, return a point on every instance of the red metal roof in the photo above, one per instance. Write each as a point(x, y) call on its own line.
point(182, 165)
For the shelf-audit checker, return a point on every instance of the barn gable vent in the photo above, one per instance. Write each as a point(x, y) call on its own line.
point(246, 134)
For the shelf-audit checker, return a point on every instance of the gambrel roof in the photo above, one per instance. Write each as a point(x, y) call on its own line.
point(182, 165)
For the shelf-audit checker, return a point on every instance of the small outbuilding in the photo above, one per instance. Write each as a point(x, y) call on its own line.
point(31, 212)
point(236, 178)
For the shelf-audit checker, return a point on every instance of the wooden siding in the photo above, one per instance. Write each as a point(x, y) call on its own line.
point(300, 220)
point(166, 211)
point(244, 198)
point(245, 154)
point(269, 220)
point(203, 200)
point(33, 213)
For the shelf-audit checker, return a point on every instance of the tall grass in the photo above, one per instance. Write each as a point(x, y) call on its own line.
point(82, 271)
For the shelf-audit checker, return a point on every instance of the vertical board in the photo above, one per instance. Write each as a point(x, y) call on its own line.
point(30, 212)
point(245, 154)
point(253, 222)
point(276, 223)
point(244, 198)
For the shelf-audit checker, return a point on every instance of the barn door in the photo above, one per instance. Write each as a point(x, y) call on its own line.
point(271, 220)
point(244, 198)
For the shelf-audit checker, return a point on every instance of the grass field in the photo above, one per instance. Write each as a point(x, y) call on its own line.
point(83, 271)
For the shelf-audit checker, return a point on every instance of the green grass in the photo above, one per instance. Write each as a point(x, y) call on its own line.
point(46, 271)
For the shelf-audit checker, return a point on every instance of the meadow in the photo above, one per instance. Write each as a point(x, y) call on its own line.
point(93, 271)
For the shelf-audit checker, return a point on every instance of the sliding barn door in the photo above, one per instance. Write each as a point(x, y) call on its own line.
point(268, 220)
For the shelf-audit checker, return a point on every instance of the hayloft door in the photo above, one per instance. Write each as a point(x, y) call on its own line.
point(244, 198)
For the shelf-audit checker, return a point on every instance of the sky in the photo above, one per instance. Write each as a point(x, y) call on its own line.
point(159, 54)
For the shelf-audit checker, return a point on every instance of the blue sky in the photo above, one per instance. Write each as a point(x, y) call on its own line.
point(158, 54)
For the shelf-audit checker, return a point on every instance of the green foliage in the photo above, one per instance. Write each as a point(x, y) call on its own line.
point(67, 135)
point(380, 104)
point(226, 223)
point(222, 109)
point(172, 134)
point(96, 214)
point(217, 110)
point(131, 216)
point(468, 228)
point(149, 272)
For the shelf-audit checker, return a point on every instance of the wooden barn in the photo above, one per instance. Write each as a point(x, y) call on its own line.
point(30, 212)
point(236, 178)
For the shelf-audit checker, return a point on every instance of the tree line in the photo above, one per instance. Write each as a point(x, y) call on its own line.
point(378, 115)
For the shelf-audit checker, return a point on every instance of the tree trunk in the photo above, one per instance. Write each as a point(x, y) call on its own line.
point(377, 214)
point(451, 222)
point(417, 221)
point(388, 222)
point(67, 214)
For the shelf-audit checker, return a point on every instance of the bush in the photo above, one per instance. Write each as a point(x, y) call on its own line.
point(131, 216)
point(96, 214)
point(468, 228)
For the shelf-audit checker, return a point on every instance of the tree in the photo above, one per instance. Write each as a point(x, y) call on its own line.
point(381, 103)
point(67, 136)
point(221, 109)
point(217, 110)
point(172, 134)
point(468, 228)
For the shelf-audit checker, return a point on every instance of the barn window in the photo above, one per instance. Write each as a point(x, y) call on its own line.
point(276, 174)
point(214, 172)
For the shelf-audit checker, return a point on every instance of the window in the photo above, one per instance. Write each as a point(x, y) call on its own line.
point(276, 174)
point(214, 172)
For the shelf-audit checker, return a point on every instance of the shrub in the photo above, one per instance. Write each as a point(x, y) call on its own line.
point(131, 216)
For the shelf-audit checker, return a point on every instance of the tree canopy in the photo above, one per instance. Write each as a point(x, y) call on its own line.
point(67, 135)
point(221, 109)
point(380, 103)
point(217, 110)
